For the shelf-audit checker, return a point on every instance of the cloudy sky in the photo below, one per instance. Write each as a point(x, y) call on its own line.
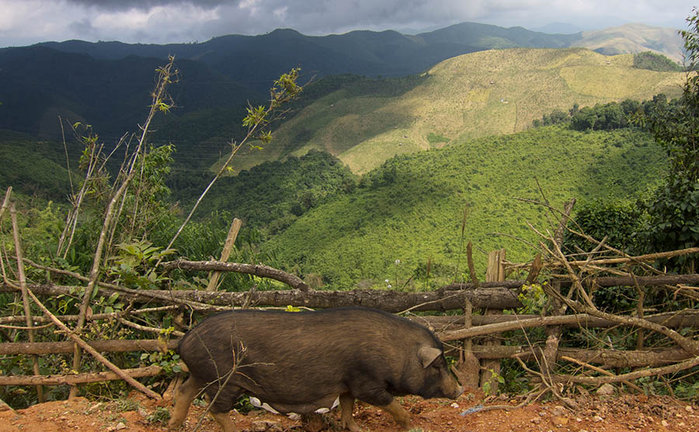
point(23, 22)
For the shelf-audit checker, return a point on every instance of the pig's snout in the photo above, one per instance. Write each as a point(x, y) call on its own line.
point(458, 391)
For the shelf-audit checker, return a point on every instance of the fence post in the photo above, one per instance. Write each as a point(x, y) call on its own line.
point(226, 253)
point(469, 367)
point(494, 273)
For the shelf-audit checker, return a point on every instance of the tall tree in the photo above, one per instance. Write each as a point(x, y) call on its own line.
point(674, 209)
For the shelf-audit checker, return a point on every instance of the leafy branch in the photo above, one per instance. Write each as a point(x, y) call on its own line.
point(257, 122)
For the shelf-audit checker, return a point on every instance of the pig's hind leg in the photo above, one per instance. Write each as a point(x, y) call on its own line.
point(400, 415)
point(346, 409)
point(221, 404)
point(184, 396)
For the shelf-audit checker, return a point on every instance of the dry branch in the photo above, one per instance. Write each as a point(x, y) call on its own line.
point(81, 378)
point(146, 328)
point(111, 212)
point(666, 279)
point(615, 260)
point(687, 344)
point(665, 370)
point(600, 370)
point(5, 201)
point(253, 269)
point(515, 322)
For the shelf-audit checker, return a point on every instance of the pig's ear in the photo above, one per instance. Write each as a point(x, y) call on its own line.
point(428, 354)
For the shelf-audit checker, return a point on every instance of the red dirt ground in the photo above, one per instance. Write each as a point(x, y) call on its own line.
point(592, 414)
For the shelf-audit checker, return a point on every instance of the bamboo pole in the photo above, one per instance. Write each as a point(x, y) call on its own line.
point(25, 299)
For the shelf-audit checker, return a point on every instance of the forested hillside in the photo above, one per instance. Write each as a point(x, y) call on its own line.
point(406, 216)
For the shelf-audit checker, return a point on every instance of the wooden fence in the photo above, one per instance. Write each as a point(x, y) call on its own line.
point(468, 317)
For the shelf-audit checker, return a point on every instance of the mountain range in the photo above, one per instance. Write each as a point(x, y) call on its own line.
point(106, 83)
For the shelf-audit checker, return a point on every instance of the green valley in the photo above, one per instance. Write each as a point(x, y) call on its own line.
point(409, 212)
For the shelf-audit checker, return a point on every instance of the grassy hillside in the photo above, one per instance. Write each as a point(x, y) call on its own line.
point(409, 211)
point(470, 96)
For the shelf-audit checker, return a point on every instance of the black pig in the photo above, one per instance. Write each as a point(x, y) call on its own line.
point(300, 362)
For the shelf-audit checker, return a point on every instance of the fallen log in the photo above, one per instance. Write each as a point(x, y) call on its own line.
point(390, 301)
point(66, 347)
point(81, 378)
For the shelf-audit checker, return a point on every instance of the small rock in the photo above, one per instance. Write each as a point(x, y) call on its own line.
point(606, 390)
point(570, 403)
point(689, 408)
point(560, 421)
point(120, 426)
point(664, 423)
point(558, 411)
point(578, 419)
point(265, 425)
point(454, 405)
point(597, 419)
point(536, 420)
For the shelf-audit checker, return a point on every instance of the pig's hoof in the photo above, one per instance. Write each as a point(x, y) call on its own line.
point(352, 426)
point(174, 425)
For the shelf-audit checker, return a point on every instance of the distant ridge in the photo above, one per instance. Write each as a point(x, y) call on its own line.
point(632, 39)
point(561, 28)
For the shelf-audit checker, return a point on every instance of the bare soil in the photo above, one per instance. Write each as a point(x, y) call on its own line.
point(592, 414)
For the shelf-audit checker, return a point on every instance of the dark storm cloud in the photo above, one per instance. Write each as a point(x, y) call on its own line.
point(160, 21)
point(146, 4)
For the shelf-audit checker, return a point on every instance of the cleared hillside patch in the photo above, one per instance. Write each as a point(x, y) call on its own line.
point(470, 96)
